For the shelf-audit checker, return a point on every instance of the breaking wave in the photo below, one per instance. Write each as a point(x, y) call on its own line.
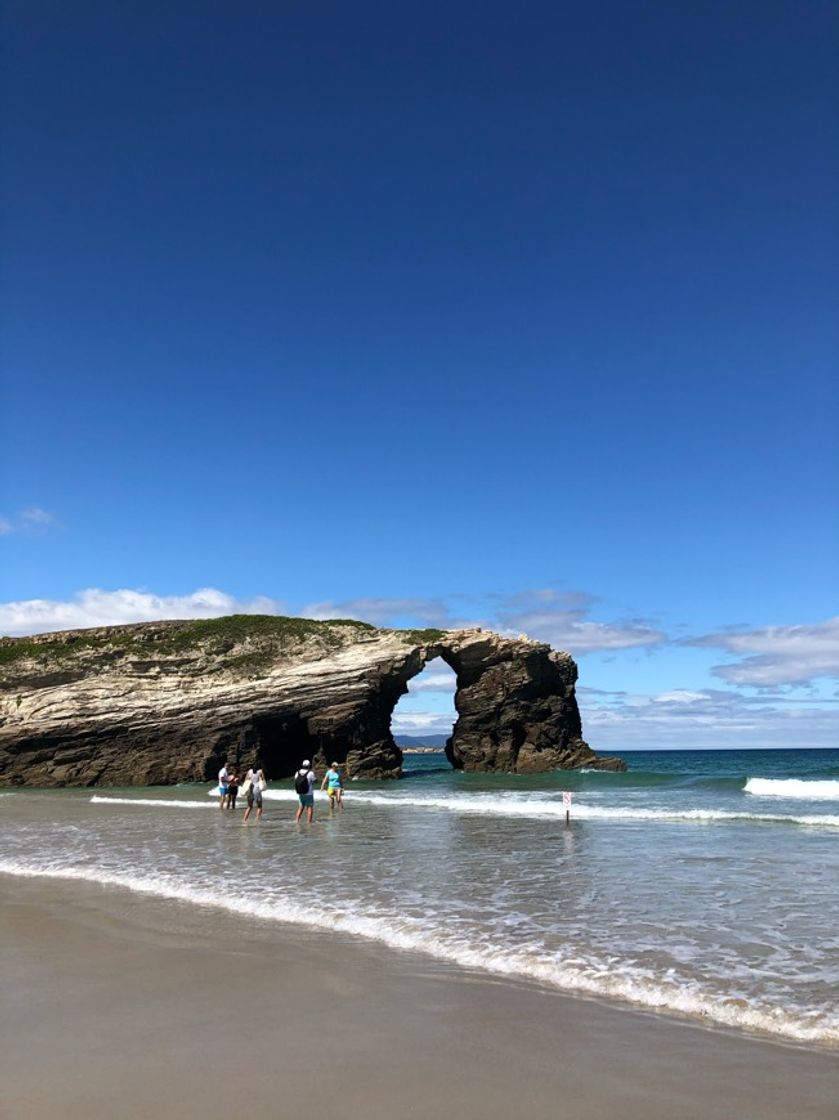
point(154, 802)
point(519, 806)
point(793, 787)
point(608, 978)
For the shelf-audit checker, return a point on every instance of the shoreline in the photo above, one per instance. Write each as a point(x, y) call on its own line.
point(118, 1004)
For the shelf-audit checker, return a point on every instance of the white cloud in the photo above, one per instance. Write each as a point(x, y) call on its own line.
point(561, 619)
point(384, 611)
point(564, 627)
point(708, 718)
point(434, 682)
point(568, 630)
point(30, 520)
point(676, 715)
point(415, 723)
point(36, 518)
point(557, 617)
point(679, 696)
point(94, 607)
point(680, 718)
point(777, 655)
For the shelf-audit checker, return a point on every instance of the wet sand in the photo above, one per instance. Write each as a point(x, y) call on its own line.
point(114, 1005)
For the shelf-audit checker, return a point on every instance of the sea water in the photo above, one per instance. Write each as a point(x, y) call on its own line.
point(698, 883)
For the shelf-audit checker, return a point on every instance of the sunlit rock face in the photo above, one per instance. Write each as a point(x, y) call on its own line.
point(167, 702)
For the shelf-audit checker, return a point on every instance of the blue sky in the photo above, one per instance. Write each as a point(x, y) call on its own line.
point(451, 314)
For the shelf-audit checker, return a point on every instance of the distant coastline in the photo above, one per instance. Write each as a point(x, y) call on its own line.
point(428, 741)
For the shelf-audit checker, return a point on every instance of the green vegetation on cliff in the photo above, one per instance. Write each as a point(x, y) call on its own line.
point(244, 644)
point(264, 634)
point(424, 637)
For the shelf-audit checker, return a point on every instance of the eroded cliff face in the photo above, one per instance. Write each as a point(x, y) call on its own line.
point(158, 703)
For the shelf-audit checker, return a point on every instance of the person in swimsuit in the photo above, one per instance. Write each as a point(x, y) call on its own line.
point(232, 791)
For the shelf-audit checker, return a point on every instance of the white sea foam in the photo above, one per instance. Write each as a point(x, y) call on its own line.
point(153, 802)
point(270, 794)
point(793, 787)
point(525, 806)
point(609, 978)
point(522, 806)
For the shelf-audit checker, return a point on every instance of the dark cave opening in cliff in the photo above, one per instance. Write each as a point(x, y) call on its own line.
point(282, 744)
point(423, 718)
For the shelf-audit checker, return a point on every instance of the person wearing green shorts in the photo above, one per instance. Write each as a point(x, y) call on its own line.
point(304, 786)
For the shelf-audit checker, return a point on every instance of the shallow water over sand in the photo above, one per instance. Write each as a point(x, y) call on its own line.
point(697, 883)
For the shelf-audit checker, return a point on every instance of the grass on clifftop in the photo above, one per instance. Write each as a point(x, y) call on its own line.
point(215, 635)
point(253, 640)
point(424, 637)
point(237, 628)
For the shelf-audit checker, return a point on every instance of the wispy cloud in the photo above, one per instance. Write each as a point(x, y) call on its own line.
point(33, 519)
point(703, 718)
point(418, 723)
point(678, 715)
point(676, 718)
point(384, 611)
point(434, 681)
point(558, 617)
point(36, 518)
point(94, 607)
point(562, 619)
point(777, 655)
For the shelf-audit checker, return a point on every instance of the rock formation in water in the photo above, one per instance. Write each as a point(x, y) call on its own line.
point(164, 702)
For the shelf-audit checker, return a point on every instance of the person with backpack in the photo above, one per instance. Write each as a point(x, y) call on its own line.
point(304, 787)
point(254, 785)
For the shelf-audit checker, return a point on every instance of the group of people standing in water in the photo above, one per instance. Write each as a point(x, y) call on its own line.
point(304, 786)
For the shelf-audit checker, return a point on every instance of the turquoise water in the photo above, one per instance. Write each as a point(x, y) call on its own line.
point(701, 884)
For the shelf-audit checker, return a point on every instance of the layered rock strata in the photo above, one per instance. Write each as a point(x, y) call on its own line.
point(165, 702)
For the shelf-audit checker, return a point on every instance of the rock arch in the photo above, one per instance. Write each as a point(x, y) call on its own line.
point(162, 702)
point(516, 705)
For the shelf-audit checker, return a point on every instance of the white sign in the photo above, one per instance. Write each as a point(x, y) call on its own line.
point(566, 799)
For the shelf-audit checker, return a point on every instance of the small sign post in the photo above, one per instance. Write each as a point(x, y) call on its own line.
point(566, 801)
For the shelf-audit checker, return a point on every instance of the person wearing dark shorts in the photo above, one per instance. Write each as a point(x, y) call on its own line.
point(232, 790)
point(254, 797)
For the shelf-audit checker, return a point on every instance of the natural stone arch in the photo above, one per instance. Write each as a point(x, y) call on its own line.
point(167, 702)
point(424, 715)
point(516, 705)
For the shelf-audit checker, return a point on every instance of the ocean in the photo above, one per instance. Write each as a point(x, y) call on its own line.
point(701, 884)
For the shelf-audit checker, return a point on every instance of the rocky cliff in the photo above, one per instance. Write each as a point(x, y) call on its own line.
point(163, 702)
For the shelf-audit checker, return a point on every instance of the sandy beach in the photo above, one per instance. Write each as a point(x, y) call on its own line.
point(117, 1005)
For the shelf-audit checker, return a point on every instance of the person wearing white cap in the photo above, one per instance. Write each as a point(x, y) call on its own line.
point(304, 787)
